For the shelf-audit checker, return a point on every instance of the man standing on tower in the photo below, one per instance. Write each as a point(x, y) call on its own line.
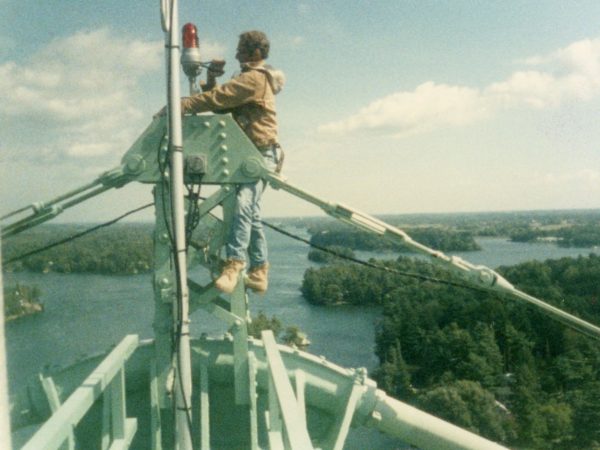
point(250, 98)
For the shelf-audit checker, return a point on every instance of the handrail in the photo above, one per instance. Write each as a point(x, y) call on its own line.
point(107, 378)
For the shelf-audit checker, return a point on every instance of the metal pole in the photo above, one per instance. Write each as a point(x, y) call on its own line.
point(183, 379)
point(4, 418)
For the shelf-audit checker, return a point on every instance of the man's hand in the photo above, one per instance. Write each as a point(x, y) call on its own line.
point(215, 68)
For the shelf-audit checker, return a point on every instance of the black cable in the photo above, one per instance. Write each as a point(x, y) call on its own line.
point(76, 236)
point(371, 265)
point(193, 214)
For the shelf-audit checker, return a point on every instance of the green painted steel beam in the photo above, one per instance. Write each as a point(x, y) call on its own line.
point(54, 403)
point(117, 405)
point(300, 384)
point(58, 427)
point(220, 313)
point(124, 443)
point(105, 440)
point(155, 422)
point(215, 200)
point(397, 419)
point(216, 151)
point(204, 408)
point(253, 401)
point(295, 432)
point(344, 418)
point(205, 296)
point(239, 308)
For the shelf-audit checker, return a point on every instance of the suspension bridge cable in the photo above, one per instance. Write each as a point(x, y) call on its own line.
point(76, 236)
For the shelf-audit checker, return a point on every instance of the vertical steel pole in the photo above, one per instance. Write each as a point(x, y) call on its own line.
point(4, 418)
point(183, 377)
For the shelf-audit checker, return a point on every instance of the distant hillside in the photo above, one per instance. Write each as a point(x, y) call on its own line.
point(568, 228)
point(120, 249)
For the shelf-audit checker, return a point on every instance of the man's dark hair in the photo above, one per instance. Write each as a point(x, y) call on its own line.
point(252, 40)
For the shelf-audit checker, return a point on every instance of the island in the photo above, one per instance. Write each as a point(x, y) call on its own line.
point(20, 301)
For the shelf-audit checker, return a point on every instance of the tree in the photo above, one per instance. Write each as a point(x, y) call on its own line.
point(393, 375)
point(468, 405)
point(261, 323)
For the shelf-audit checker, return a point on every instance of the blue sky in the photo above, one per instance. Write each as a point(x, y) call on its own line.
point(389, 106)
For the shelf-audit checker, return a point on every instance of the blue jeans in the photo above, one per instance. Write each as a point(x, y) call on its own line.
point(247, 232)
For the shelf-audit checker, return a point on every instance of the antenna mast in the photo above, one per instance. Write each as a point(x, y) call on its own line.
point(183, 375)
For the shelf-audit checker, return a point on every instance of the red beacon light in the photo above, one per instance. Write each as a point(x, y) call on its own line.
point(190, 56)
point(190, 36)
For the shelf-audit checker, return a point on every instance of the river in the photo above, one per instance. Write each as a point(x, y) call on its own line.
point(86, 314)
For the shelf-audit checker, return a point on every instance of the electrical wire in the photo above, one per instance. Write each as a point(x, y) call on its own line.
point(415, 275)
point(371, 265)
point(76, 236)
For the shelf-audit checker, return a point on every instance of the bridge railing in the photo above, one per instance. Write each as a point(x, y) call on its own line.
point(108, 381)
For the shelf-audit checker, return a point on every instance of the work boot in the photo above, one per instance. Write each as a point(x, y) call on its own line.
point(229, 277)
point(257, 278)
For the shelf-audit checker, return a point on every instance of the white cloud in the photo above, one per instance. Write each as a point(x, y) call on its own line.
point(429, 106)
point(78, 94)
point(211, 50)
point(588, 179)
point(570, 73)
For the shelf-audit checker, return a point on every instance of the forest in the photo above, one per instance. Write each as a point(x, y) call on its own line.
point(330, 253)
point(438, 238)
point(457, 231)
point(121, 249)
point(485, 363)
point(127, 248)
point(579, 235)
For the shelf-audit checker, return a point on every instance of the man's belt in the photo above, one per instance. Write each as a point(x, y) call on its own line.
point(266, 148)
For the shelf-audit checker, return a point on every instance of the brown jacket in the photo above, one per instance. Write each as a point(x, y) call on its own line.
point(249, 97)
